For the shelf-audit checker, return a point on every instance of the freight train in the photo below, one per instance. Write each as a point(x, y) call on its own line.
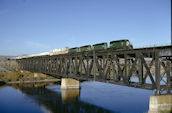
point(114, 45)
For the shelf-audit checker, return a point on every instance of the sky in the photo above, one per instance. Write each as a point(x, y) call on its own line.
point(34, 26)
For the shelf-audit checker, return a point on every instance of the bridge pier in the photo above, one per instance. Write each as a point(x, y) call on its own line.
point(69, 83)
point(160, 104)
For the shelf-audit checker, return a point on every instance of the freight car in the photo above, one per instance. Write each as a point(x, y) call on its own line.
point(59, 51)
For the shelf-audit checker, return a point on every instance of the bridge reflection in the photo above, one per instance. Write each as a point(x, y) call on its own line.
point(65, 102)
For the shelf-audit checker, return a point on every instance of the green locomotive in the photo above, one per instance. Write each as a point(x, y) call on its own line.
point(115, 45)
point(85, 48)
point(121, 44)
point(100, 46)
point(74, 50)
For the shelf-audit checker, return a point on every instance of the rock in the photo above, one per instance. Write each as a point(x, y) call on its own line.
point(35, 75)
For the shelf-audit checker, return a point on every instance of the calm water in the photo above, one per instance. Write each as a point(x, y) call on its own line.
point(93, 97)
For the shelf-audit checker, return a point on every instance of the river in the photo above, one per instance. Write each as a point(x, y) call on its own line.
point(93, 97)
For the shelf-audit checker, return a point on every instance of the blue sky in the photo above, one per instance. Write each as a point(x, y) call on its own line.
point(33, 26)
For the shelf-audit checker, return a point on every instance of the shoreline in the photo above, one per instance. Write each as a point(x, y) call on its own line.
point(35, 81)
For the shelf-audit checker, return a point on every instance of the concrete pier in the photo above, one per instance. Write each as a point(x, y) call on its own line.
point(160, 104)
point(69, 83)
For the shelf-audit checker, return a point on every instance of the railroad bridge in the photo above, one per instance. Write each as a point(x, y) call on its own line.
point(148, 68)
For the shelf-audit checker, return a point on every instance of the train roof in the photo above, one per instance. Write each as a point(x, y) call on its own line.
point(119, 40)
point(100, 43)
point(85, 46)
point(75, 48)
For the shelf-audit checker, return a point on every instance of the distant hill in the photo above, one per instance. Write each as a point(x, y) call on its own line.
point(7, 56)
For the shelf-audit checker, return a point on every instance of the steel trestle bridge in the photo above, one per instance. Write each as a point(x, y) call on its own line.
point(147, 68)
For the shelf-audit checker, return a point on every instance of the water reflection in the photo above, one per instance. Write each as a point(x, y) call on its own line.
point(65, 102)
point(70, 95)
point(49, 98)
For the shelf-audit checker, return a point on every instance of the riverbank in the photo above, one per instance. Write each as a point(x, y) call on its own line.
point(23, 76)
point(10, 73)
